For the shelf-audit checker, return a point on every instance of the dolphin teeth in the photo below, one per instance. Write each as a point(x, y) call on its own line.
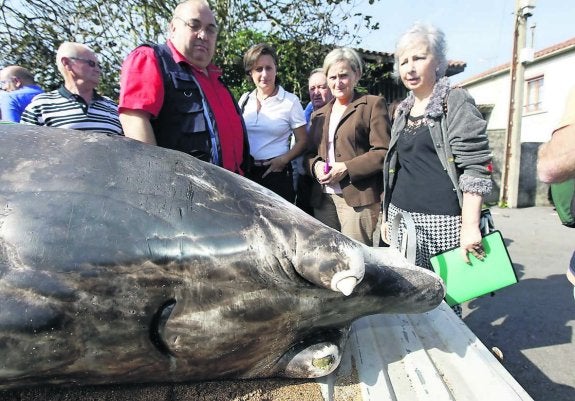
point(346, 285)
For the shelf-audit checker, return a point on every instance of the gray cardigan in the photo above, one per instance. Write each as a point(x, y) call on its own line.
point(460, 141)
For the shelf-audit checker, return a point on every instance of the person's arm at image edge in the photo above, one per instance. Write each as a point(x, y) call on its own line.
point(556, 159)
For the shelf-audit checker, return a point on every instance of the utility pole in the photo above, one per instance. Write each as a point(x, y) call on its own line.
point(509, 193)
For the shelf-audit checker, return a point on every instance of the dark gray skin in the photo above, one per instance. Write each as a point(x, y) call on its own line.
point(122, 262)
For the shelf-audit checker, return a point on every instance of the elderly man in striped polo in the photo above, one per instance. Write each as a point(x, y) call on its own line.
point(76, 104)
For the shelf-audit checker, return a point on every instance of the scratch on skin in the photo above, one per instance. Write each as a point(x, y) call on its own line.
point(70, 221)
point(5, 213)
point(149, 249)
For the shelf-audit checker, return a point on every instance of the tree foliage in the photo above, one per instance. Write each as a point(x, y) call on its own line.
point(302, 32)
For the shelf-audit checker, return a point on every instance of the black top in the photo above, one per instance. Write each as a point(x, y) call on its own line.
point(422, 184)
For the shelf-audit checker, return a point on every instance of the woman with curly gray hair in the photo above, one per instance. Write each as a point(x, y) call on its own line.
point(438, 167)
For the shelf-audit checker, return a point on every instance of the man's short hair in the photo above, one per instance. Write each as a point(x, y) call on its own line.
point(68, 49)
point(21, 73)
point(316, 71)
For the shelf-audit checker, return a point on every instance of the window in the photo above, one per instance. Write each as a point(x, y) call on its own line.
point(534, 95)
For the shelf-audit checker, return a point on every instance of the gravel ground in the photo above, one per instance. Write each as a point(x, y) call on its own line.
point(233, 390)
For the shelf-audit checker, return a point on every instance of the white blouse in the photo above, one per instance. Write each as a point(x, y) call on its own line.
point(269, 130)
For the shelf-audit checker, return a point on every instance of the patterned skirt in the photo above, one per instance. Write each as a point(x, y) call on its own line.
point(435, 233)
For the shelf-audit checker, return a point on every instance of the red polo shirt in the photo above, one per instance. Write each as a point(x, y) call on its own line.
point(142, 88)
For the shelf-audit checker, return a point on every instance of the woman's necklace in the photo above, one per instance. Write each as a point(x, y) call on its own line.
point(414, 123)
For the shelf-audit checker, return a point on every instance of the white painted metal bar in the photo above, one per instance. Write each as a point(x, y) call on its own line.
point(423, 357)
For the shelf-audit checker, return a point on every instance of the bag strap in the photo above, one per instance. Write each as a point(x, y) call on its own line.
point(408, 244)
point(486, 224)
point(243, 104)
point(573, 203)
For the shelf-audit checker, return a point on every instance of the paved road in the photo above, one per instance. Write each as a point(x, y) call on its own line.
point(532, 322)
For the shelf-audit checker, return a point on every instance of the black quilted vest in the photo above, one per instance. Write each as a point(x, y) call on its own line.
point(181, 124)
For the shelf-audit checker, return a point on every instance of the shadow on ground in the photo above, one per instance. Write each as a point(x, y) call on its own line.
point(528, 315)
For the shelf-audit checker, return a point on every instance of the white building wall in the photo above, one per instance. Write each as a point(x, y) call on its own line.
point(556, 66)
point(535, 127)
point(558, 80)
point(495, 91)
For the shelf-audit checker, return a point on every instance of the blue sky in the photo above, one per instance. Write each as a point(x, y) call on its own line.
point(479, 32)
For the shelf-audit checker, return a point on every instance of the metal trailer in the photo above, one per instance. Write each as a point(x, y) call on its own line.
point(430, 356)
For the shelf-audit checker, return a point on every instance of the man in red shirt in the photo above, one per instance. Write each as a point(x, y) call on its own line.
point(172, 95)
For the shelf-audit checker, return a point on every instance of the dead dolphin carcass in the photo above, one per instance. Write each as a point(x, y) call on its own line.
point(125, 262)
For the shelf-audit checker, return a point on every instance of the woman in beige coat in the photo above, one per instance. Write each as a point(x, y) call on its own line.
point(350, 137)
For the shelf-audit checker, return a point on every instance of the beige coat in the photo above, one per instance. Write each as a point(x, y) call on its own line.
point(361, 141)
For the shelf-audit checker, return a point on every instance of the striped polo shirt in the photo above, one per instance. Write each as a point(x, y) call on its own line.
point(63, 109)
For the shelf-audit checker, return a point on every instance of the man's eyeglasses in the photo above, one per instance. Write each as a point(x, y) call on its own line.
point(91, 63)
point(196, 27)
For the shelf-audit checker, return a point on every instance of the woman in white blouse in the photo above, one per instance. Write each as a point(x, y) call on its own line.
point(271, 116)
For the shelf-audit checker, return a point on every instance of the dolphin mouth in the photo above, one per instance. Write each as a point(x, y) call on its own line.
point(158, 327)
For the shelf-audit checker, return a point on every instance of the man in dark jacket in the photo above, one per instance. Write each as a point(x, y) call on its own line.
point(172, 95)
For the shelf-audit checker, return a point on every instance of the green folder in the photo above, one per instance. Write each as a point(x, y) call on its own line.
point(467, 281)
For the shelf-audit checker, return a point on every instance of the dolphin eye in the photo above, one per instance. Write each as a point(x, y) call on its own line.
point(324, 363)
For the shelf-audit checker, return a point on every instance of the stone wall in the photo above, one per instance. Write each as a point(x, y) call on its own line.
point(531, 191)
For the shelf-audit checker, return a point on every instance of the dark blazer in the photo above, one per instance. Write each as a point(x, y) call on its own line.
point(361, 141)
